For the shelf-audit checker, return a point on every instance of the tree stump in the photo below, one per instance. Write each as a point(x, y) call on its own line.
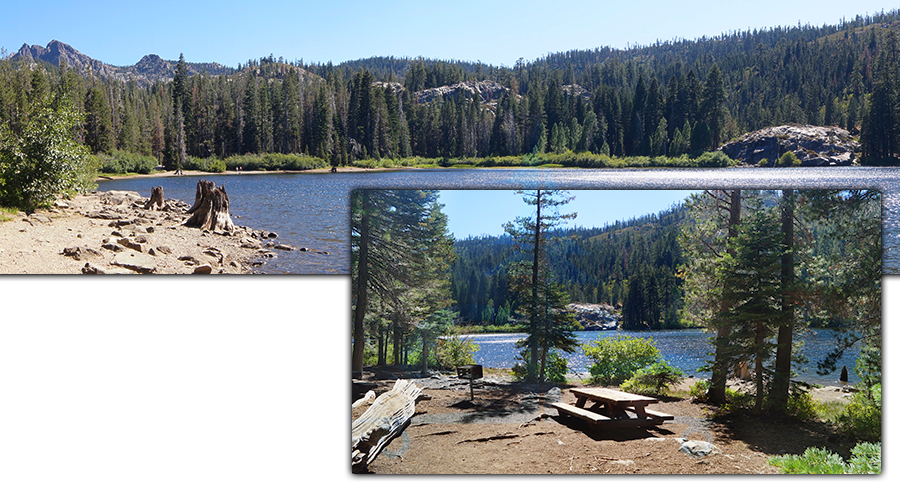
point(156, 201)
point(211, 210)
point(382, 422)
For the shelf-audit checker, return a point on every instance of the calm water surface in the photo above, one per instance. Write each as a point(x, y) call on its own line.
point(312, 210)
point(685, 349)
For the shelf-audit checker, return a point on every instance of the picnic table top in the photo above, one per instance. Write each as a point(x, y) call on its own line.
point(614, 396)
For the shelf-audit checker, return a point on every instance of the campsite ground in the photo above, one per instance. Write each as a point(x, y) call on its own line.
point(510, 428)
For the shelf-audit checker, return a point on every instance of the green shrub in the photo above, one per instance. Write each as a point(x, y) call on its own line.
point(557, 368)
point(865, 459)
point(554, 372)
point(274, 162)
point(700, 389)
point(862, 420)
point(121, 162)
point(617, 359)
point(800, 404)
point(454, 350)
point(813, 461)
point(788, 159)
point(653, 380)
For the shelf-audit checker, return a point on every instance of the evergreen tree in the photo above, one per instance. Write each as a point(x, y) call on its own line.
point(534, 232)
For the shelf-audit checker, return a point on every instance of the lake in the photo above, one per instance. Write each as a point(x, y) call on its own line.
point(312, 209)
point(685, 349)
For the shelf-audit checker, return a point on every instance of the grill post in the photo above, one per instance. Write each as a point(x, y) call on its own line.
point(470, 372)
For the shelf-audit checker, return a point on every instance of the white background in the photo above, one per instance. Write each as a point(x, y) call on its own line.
point(197, 382)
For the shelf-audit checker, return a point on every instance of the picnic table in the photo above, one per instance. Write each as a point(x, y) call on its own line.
point(612, 409)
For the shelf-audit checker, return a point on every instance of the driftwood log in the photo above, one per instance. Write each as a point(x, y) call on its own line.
point(156, 201)
point(382, 422)
point(211, 210)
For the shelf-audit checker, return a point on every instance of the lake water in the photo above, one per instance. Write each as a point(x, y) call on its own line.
point(312, 209)
point(684, 349)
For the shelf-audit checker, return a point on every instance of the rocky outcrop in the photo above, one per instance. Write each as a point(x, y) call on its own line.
point(814, 146)
point(485, 91)
point(595, 316)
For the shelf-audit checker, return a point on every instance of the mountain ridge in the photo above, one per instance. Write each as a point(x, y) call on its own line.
point(148, 69)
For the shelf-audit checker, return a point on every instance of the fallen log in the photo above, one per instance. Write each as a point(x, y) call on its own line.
point(211, 210)
point(386, 419)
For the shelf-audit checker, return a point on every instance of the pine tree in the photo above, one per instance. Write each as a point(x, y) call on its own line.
point(534, 232)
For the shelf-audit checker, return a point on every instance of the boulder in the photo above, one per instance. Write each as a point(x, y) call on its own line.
point(812, 145)
point(699, 449)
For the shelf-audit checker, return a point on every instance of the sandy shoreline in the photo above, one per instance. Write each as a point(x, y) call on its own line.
point(111, 233)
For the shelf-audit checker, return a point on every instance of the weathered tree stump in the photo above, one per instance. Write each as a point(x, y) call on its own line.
point(156, 201)
point(211, 210)
point(382, 422)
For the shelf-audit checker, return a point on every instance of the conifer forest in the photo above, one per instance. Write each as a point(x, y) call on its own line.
point(672, 98)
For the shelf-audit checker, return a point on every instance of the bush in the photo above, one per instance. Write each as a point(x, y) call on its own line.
point(617, 359)
point(866, 459)
point(788, 159)
point(700, 389)
point(454, 350)
point(555, 371)
point(121, 162)
point(43, 159)
point(653, 380)
point(274, 161)
point(862, 420)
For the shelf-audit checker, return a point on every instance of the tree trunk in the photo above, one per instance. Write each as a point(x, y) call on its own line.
point(782, 379)
point(535, 320)
point(720, 366)
point(211, 210)
point(156, 201)
point(362, 286)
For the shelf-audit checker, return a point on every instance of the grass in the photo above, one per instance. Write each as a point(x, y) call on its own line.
point(8, 214)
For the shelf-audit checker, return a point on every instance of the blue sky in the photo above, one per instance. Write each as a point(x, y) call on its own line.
point(498, 33)
point(484, 212)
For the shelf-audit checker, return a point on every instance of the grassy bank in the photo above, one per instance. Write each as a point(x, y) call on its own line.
point(559, 160)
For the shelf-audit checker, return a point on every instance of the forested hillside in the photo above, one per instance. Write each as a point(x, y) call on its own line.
point(632, 263)
point(668, 99)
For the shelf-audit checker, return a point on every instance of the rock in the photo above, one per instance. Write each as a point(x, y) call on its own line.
point(107, 215)
point(281, 246)
point(113, 247)
point(91, 269)
point(699, 449)
point(812, 145)
point(137, 262)
point(486, 91)
point(79, 253)
point(203, 269)
point(132, 244)
point(164, 249)
point(594, 316)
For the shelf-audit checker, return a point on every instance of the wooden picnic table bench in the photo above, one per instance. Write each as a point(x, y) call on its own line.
point(612, 409)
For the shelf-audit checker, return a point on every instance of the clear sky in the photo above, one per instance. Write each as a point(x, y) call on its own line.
point(484, 212)
point(499, 33)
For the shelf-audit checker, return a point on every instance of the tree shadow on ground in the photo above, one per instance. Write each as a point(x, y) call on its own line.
point(780, 434)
